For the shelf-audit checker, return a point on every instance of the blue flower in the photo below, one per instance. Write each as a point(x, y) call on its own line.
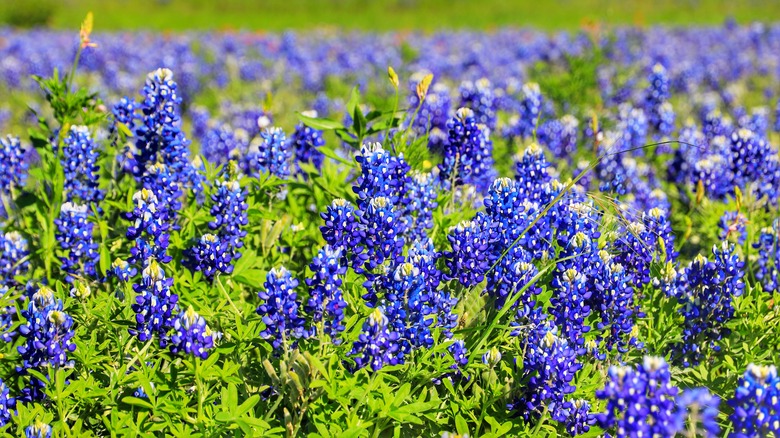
point(756, 402)
point(381, 235)
point(14, 253)
point(480, 98)
point(377, 344)
point(468, 156)
point(470, 256)
point(124, 112)
point(273, 155)
point(705, 292)
point(640, 402)
point(529, 108)
point(578, 418)
point(342, 224)
point(569, 307)
point(7, 314)
point(221, 144)
point(122, 270)
point(13, 169)
point(209, 255)
point(79, 162)
point(381, 174)
point(191, 335)
point(768, 257)
point(733, 227)
point(48, 333)
point(74, 233)
point(421, 192)
point(306, 142)
point(613, 301)
point(560, 136)
point(230, 214)
point(549, 366)
point(283, 325)
point(699, 408)
point(155, 304)
point(531, 172)
point(325, 295)
point(7, 404)
point(38, 429)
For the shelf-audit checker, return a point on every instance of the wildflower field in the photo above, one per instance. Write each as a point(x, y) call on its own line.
point(330, 233)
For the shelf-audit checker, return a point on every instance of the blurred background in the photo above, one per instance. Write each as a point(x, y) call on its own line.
point(377, 15)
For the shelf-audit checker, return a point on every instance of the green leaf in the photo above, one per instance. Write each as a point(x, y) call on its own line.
point(135, 401)
point(462, 426)
point(320, 123)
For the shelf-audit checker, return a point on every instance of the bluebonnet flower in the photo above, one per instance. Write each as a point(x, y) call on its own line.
point(306, 142)
point(657, 94)
point(222, 143)
point(460, 354)
point(480, 98)
point(569, 307)
point(531, 171)
point(635, 249)
point(124, 112)
point(149, 228)
point(38, 429)
point(755, 402)
point(122, 270)
point(381, 174)
point(325, 296)
point(7, 404)
point(560, 136)
point(342, 224)
point(640, 402)
point(381, 235)
point(633, 125)
point(13, 169)
point(7, 314)
point(155, 304)
point(578, 417)
point(435, 110)
point(191, 335)
point(530, 107)
point(768, 257)
point(48, 332)
point(549, 367)
point(733, 227)
point(159, 136)
point(699, 408)
point(377, 344)
point(80, 165)
point(273, 155)
point(74, 233)
point(283, 324)
point(209, 255)
point(705, 294)
point(748, 153)
point(664, 124)
point(230, 214)
point(421, 193)
point(159, 179)
point(492, 357)
point(14, 252)
point(470, 256)
point(468, 156)
point(613, 300)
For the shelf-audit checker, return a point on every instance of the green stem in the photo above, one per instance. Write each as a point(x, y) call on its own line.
point(199, 385)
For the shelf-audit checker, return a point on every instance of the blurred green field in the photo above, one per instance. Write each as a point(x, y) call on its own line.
point(274, 15)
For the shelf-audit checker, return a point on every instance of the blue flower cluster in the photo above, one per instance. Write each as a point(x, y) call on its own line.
point(549, 366)
point(705, 292)
point(48, 333)
point(560, 136)
point(12, 165)
point(79, 161)
point(38, 429)
point(7, 404)
point(283, 324)
point(639, 402)
point(756, 402)
point(191, 335)
point(271, 156)
point(306, 142)
point(74, 233)
point(768, 261)
point(529, 107)
point(325, 295)
point(14, 252)
point(468, 155)
point(479, 96)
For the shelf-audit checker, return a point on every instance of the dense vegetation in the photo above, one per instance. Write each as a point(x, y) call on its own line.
point(564, 234)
